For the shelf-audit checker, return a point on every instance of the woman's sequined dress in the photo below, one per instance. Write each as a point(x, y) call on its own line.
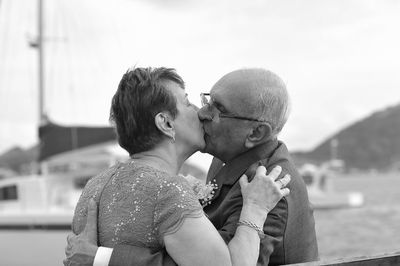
point(138, 205)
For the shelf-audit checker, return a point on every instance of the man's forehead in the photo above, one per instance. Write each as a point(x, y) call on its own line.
point(232, 89)
point(235, 99)
point(222, 93)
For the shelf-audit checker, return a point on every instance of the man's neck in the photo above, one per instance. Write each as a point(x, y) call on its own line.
point(263, 144)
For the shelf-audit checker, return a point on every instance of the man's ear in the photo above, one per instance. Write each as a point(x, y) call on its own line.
point(165, 124)
point(259, 134)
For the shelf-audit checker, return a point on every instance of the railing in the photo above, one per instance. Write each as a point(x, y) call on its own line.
point(377, 260)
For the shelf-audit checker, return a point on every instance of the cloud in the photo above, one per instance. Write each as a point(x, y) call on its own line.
point(339, 58)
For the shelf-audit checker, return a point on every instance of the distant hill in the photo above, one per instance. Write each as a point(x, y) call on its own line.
point(16, 158)
point(372, 143)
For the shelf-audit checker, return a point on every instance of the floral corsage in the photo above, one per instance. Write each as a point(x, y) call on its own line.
point(204, 192)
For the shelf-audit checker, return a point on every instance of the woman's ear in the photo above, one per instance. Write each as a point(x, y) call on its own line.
point(261, 133)
point(165, 124)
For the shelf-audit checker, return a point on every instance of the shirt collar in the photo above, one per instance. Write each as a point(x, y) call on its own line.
point(234, 169)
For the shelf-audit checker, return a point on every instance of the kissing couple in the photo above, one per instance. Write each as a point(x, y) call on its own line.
point(142, 212)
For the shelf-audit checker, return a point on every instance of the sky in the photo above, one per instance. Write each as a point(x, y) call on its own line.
point(339, 59)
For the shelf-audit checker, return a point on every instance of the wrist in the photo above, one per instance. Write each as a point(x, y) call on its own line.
point(254, 213)
point(252, 226)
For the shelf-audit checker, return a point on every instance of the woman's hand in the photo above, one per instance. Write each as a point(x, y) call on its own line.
point(264, 191)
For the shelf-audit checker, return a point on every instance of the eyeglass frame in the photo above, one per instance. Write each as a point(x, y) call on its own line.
point(205, 101)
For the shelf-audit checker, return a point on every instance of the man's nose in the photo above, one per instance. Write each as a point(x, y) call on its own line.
point(204, 113)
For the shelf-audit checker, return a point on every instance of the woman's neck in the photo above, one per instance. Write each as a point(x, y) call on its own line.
point(160, 159)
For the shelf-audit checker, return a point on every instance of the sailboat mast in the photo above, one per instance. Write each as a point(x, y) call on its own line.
point(41, 63)
point(42, 117)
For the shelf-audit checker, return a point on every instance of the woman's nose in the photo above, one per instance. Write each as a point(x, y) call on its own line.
point(204, 113)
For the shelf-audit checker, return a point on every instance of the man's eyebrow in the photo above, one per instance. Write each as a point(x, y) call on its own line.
point(218, 103)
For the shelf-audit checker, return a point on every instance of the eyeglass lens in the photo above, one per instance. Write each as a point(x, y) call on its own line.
point(204, 99)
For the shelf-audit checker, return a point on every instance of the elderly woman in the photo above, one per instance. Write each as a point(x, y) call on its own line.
point(144, 202)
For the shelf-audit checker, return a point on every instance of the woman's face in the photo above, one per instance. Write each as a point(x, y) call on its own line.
point(188, 128)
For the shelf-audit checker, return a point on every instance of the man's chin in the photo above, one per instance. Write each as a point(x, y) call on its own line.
point(207, 149)
point(204, 148)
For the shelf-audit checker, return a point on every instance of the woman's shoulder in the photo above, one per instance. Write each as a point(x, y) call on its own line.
point(95, 184)
point(151, 176)
point(175, 202)
point(166, 187)
point(174, 184)
point(92, 189)
point(175, 192)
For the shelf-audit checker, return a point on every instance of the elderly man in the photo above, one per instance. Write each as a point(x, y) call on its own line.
point(242, 116)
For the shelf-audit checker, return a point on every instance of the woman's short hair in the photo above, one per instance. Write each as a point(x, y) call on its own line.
point(140, 96)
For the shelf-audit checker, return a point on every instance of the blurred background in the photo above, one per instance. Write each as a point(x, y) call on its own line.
point(61, 61)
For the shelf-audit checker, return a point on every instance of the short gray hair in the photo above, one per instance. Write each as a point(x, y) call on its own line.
point(142, 93)
point(273, 103)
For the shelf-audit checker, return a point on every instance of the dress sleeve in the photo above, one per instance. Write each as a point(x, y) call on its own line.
point(175, 202)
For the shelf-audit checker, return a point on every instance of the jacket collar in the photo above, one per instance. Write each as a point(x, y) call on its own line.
point(229, 173)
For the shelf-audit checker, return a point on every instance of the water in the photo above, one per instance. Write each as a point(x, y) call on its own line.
point(371, 229)
point(31, 248)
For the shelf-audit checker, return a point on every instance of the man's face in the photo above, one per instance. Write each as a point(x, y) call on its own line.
point(225, 137)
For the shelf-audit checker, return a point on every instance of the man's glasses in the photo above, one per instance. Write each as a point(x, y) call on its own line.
point(205, 100)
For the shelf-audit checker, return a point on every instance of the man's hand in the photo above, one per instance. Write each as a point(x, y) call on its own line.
point(82, 248)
